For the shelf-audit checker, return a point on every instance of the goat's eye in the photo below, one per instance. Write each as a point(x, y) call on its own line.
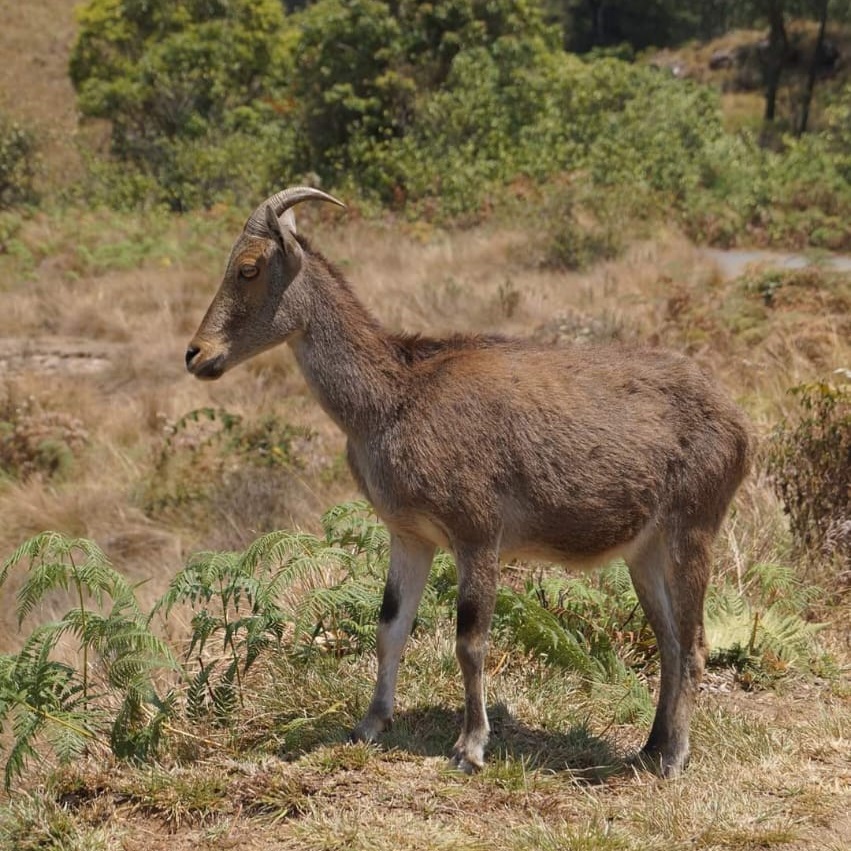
point(247, 270)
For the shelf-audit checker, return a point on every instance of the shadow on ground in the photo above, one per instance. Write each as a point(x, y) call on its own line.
point(432, 730)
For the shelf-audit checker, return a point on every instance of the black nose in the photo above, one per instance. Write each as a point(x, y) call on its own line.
point(191, 352)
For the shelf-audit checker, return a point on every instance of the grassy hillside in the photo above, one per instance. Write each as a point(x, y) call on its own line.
point(96, 308)
point(35, 42)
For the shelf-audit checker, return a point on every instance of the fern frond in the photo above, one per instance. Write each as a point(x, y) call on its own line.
point(198, 692)
point(203, 626)
point(33, 548)
point(787, 636)
point(224, 696)
point(539, 631)
point(66, 739)
point(22, 748)
point(734, 628)
point(353, 525)
point(41, 579)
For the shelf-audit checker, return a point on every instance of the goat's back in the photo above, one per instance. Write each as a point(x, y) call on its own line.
point(559, 449)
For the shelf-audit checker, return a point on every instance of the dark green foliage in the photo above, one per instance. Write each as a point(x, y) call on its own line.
point(188, 87)
point(366, 71)
point(639, 23)
point(810, 464)
point(346, 78)
point(18, 163)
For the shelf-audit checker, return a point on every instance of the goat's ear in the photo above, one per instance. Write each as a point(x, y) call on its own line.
point(282, 234)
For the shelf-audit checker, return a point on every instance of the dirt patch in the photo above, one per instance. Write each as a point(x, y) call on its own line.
point(55, 355)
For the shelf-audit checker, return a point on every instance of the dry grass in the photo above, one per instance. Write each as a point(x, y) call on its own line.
point(769, 769)
point(95, 312)
point(35, 42)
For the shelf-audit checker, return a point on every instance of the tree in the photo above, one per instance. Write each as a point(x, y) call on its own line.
point(363, 67)
point(818, 50)
point(179, 79)
point(775, 56)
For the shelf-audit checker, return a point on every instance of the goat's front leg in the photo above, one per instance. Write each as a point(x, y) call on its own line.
point(410, 561)
point(478, 569)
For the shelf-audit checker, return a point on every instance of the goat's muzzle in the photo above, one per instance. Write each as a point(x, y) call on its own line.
point(208, 369)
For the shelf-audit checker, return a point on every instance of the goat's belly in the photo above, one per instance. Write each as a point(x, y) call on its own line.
point(426, 528)
point(575, 560)
point(537, 552)
point(415, 525)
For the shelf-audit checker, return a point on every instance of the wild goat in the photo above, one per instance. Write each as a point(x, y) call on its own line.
point(496, 448)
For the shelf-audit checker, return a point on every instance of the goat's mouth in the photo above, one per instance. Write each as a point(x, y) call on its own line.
point(208, 370)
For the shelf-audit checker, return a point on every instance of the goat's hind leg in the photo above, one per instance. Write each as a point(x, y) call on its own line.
point(670, 578)
point(410, 561)
point(478, 570)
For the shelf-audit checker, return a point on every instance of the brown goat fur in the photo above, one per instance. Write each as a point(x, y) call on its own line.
point(494, 448)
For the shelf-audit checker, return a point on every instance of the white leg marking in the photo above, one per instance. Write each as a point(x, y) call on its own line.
point(410, 561)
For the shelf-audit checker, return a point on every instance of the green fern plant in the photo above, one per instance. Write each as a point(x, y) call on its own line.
point(765, 638)
point(589, 624)
point(66, 706)
point(243, 604)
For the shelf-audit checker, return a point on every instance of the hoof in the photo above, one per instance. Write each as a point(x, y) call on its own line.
point(468, 755)
point(661, 764)
point(465, 764)
point(369, 729)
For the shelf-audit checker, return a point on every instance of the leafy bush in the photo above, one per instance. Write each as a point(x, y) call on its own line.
point(189, 89)
point(35, 442)
point(18, 163)
point(204, 448)
point(810, 464)
point(369, 73)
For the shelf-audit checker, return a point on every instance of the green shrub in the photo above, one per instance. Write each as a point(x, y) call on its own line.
point(809, 460)
point(204, 448)
point(70, 707)
point(18, 163)
point(370, 73)
point(189, 88)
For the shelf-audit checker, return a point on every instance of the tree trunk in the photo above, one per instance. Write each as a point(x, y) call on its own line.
point(811, 77)
point(778, 48)
point(598, 33)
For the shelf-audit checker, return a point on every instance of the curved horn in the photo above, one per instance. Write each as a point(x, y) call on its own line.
point(280, 202)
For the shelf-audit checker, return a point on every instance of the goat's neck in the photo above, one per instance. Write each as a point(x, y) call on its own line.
point(347, 360)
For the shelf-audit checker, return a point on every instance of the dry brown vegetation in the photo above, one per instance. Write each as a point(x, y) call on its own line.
point(95, 312)
point(101, 342)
